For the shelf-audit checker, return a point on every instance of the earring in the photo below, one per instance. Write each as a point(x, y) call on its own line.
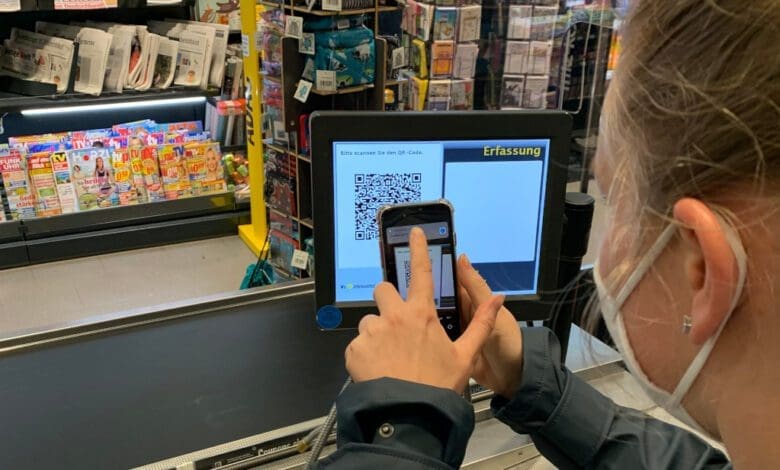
point(687, 324)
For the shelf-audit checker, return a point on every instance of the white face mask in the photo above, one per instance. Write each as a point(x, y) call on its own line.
point(610, 308)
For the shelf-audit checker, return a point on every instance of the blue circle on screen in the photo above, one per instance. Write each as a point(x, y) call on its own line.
point(329, 317)
point(442, 230)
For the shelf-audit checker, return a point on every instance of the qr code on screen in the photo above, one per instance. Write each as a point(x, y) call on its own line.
point(373, 191)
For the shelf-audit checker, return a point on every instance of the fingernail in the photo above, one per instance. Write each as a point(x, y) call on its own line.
point(417, 232)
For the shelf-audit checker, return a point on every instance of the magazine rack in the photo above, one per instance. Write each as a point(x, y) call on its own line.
point(293, 121)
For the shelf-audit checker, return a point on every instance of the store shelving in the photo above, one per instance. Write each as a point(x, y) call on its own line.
point(121, 228)
point(48, 5)
point(10, 102)
point(315, 12)
point(100, 231)
point(343, 91)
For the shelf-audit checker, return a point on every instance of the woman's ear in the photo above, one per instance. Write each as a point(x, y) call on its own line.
point(710, 265)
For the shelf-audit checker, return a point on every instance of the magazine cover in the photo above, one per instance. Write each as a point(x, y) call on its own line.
point(204, 164)
point(47, 203)
point(91, 174)
point(88, 139)
point(535, 94)
point(190, 126)
point(173, 168)
point(18, 192)
point(469, 23)
point(445, 22)
point(462, 95)
point(152, 186)
point(124, 179)
point(512, 92)
point(442, 54)
point(220, 12)
point(439, 92)
point(63, 179)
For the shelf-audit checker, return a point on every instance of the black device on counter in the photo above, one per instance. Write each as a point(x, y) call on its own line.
point(504, 173)
point(435, 219)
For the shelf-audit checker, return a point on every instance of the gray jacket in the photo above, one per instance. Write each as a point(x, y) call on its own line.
point(389, 424)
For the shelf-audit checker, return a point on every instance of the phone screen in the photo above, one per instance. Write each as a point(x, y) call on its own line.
point(441, 251)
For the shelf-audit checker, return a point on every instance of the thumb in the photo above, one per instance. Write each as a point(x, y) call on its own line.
point(471, 341)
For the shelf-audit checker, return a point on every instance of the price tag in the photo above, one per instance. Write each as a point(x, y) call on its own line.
point(326, 80)
point(300, 259)
point(399, 58)
point(331, 5)
point(245, 45)
point(342, 23)
point(306, 44)
point(303, 90)
point(293, 26)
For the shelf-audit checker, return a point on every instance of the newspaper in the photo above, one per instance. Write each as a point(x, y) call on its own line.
point(218, 52)
point(207, 33)
point(118, 57)
point(33, 56)
point(191, 59)
point(10, 5)
point(165, 67)
point(168, 29)
point(94, 47)
point(136, 64)
point(150, 50)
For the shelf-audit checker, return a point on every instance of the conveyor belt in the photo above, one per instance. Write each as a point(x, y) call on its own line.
point(130, 391)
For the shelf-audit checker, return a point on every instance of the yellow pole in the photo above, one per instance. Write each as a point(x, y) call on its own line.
point(254, 234)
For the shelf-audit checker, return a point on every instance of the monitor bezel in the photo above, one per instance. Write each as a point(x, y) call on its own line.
point(328, 127)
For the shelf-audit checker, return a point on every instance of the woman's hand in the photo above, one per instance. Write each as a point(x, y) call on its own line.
point(499, 364)
point(407, 341)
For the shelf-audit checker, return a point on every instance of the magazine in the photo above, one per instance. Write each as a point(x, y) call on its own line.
point(165, 66)
point(204, 164)
point(152, 185)
point(91, 174)
point(92, 60)
point(47, 202)
point(18, 192)
point(124, 176)
point(173, 168)
point(191, 59)
point(62, 178)
point(37, 57)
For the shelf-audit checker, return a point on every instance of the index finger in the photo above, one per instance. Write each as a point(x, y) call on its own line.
point(421, 282)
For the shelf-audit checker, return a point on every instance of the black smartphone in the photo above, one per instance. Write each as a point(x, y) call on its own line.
point(435, 219)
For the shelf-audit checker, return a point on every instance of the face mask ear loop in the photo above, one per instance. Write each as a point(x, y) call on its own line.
point(644, 265)
point(732, 237)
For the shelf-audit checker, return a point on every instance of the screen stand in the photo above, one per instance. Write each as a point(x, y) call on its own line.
point(571, 304)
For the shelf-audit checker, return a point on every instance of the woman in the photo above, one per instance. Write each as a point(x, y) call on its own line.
point(689, 158)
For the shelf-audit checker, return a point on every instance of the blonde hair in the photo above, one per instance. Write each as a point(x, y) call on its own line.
point(694, 110)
